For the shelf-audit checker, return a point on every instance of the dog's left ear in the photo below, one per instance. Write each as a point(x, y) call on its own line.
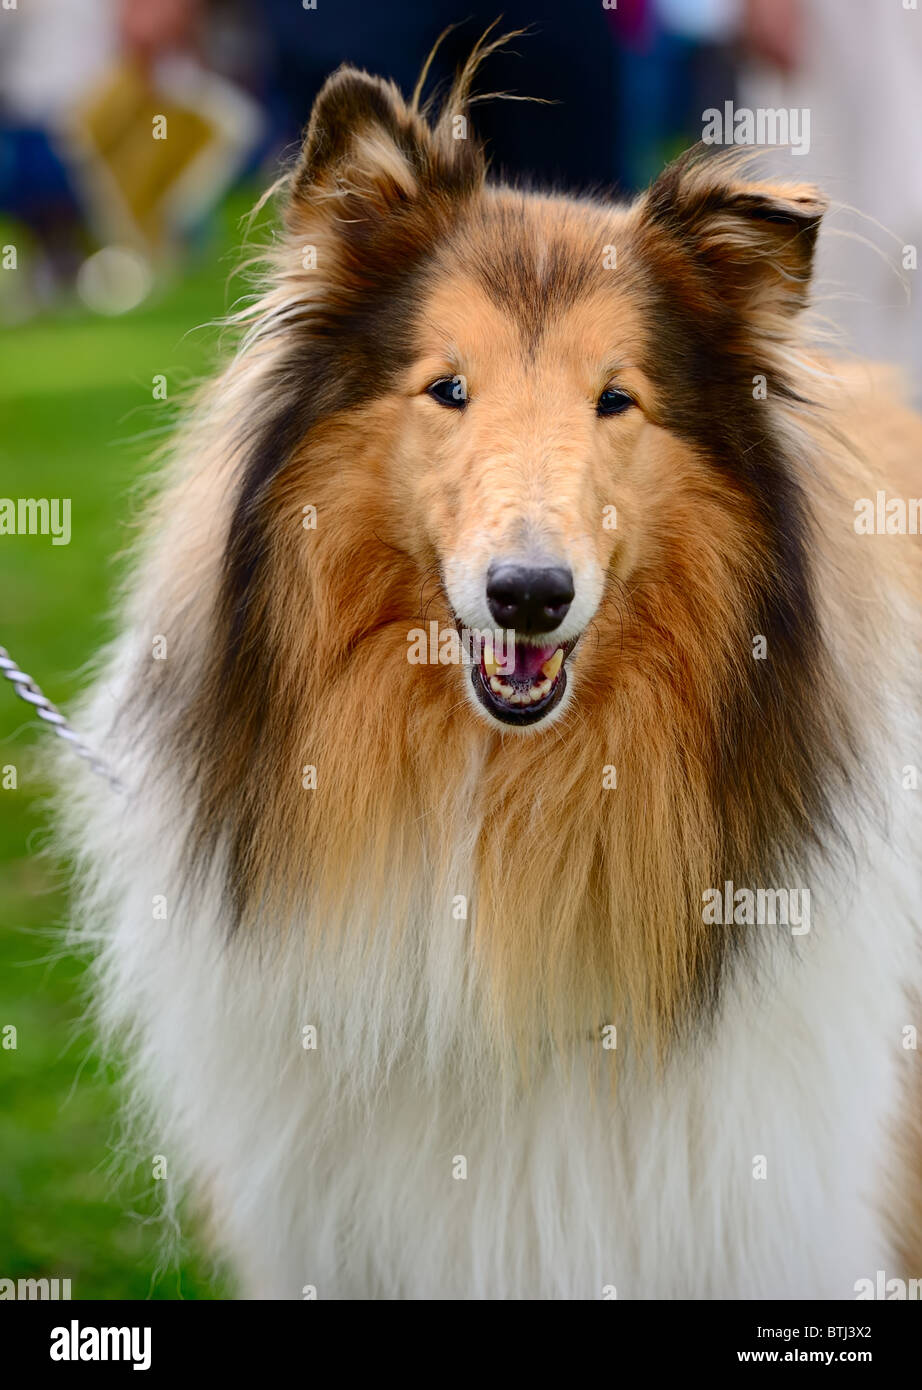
point(751, 244)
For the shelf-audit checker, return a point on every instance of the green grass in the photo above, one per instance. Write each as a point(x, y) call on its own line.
point(75, 394)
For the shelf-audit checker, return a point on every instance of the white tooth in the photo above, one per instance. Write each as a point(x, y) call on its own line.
point(502, 688)
point(495, 683)
point(541, 689)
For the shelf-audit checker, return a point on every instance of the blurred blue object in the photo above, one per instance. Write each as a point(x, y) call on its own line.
point(35, 185)
point(664, 82)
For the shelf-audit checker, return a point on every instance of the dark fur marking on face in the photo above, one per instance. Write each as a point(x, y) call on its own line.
point(349, 359)
point(787, 725)
point(528, 277)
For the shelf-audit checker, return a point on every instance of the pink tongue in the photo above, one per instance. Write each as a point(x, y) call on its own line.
point(529, 660)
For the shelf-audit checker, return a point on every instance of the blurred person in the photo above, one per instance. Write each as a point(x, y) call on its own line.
point(89, 95)
point(50, 56)
point(860, 76)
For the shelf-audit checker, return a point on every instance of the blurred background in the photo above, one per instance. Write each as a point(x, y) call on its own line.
point(134, 137)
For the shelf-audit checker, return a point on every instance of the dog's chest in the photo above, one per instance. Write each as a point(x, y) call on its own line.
point(392, 1163)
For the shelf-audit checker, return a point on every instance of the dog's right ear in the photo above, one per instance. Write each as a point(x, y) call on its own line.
point(751, 245)
point(368, 155)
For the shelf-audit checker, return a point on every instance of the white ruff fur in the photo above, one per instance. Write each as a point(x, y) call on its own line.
point(334, 1167)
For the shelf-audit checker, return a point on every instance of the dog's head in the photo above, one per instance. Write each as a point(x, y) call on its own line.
point(562, 391)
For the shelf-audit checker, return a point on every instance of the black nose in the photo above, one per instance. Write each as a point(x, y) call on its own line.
point(529, 600)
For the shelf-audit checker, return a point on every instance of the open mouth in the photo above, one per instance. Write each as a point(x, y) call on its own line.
point(530, 691)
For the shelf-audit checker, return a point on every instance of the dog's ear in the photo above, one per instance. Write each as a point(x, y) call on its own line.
point(752, 244)
point(368, 154)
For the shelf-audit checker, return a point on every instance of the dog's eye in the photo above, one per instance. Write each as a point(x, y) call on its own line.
point(613, 401)
point(450, 391)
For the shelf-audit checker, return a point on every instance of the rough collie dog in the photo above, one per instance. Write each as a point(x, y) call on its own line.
point(577, 968)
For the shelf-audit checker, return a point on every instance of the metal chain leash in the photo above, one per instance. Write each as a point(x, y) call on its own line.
point(27, 690)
